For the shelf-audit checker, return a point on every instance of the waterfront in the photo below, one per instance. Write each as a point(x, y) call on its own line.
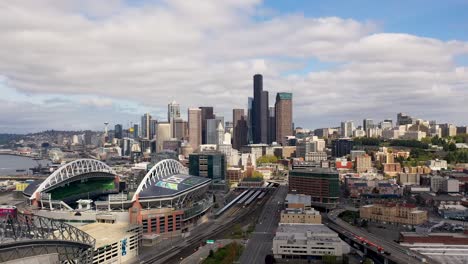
point(9, 164)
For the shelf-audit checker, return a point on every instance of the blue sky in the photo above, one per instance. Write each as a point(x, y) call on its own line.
point(112, 61)
point(445, 20)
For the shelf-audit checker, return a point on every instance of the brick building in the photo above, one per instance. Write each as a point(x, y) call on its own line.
point(322, 184)
point(406, 214)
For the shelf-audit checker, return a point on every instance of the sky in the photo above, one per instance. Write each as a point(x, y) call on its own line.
point(72, 65)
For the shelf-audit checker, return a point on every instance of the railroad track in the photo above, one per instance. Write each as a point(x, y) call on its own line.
point(168, 255)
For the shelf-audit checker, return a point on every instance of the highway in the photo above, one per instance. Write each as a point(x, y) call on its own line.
point(399, 253)
point(261, 240)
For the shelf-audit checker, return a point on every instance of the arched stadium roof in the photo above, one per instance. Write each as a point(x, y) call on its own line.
point(162, 169)
point(71, 170)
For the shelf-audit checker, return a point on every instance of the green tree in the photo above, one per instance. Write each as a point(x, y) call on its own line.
point(267, 159)
point(452, 147)
point(257, 174)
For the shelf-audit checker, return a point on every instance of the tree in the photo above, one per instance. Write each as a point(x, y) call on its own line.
point(257, 174)
point(210, 255)
point(267, 159)
point(452, 147)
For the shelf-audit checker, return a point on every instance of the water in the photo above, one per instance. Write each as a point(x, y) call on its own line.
point(9, 164)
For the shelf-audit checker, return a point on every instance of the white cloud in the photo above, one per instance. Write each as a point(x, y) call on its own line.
point(205, 53)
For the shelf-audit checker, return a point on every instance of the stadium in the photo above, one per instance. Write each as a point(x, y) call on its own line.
point(167, 199)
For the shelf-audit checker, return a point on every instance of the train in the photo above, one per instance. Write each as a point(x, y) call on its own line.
point(369, 243)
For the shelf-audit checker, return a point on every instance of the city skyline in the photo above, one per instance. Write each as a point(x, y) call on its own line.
point(117, 61)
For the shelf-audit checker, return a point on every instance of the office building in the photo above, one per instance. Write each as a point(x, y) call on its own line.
point(363, 163)
point(347, 128)
point(118, 131)
point(462, 130)
point(260, 113)
point(298, 201)
point(195, 127)
point(145, 126)
point(249, 120)
point(300, 216)
point(163, 133)
point(153, 128)
point(322, 184)
point(406, 214)
point(272, 125)
point(450, 185)
point(136, 131)
point(284, 118)
point(448, 130)
point(180, 127)
point(302, 242)
point(342, 147)
point(367, 123)
point(403, 119)
point(240, 128)
point(409, 179)
point(173, 112)
point(234, 175)
point(316, 156)
point(206, 113)
point(208, 164)
point(386, 124)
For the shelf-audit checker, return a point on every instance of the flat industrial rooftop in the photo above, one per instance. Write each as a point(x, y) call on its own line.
point(105, 234)
point(172, 185)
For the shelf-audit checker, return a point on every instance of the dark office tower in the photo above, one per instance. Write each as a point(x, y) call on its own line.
point(145, 126)
point(367, 123)
point(136, 131)
point(284, 118)
point(240, 129)
point(180, 129)
point(260, 111)
point(272, 125)
point(342, 147)
point(206, 113)
point(404, 119)
point(153, 128)
point(118, 131)
point(249, 120)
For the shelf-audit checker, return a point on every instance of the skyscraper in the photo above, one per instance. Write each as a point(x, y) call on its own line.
point(240, 128)
point(118, 131)
point(206, 113)
point(249, 120)
point(271, 125)
point(283, 112)
point(367, 123)
point(260, 111)
point(347, 128)
point(163, 133)
point(404, 119)
point(180, 128)
point(173, 111)
point(153, 128)
point(145, 125)
point(136, 131)
point(195, 127)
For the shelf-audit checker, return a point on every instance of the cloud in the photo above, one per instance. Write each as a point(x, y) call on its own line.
point(206, 53)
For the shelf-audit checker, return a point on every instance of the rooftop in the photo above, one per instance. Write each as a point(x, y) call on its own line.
point(298, 199)
point(173, 185)
point(301, 233)
point(105, 234)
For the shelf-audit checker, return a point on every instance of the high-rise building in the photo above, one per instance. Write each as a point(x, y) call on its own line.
point(195, 127)
point(240, 130)
point(173, 112)
point(367, 124)
point(271, 125)
point(386, 124)
point(163, 133)
point(220, 134)
point(448, 130)
point(284, 126)
point(211, 131)
point(153, 128)
point(404, 119)
point(145, 125)
point(208, 164)
point(206, 113)
point(347, 128)
point(136, 131)
point(180, 129)
point(118, 131)
point(250, 120)
point(260, 112)
point(342, 147)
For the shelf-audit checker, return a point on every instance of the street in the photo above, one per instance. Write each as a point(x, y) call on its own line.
point(261, 240)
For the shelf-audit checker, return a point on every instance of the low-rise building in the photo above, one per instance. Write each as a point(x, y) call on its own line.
point(234, 175)
point(405, 214)
point(409, 178)
point(437, 165)
point(300, 216)
point(316, 156)
point(307, 241)
point(300, 201)
point(115, 243)
point(450, 185)
point(392, 169)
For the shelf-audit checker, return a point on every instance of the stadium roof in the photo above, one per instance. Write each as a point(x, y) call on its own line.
point(172, 185)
